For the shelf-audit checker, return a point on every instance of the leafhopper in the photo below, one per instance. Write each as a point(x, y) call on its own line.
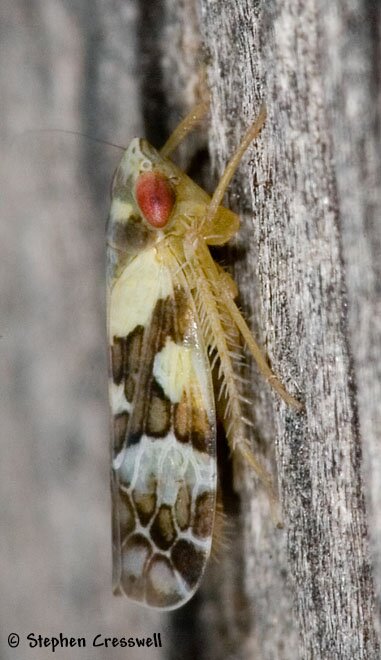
point(171, 319)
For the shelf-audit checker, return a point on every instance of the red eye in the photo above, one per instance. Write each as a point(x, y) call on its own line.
point(155, 197)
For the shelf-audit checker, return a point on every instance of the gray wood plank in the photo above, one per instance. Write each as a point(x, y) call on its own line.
point(297, 236)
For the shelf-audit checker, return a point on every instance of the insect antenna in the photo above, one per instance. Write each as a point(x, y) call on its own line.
point(69, 132)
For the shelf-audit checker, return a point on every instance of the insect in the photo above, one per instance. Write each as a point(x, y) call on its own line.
point(171, 319)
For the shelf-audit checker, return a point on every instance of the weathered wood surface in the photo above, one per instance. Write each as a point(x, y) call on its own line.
point(307, 261)
point(313, 247)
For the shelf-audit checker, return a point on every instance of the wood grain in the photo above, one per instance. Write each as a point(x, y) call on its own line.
point(306, 259)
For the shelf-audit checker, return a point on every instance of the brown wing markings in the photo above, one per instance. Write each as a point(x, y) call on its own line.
point(182, 508)
point(117, 359)
point(120, 424)
point(132, 356)
point(145, 504)
point(151, 408)
point(188, 561)
point(191, 423)
point(163, 531)
point(157, 565)
point(204, 515)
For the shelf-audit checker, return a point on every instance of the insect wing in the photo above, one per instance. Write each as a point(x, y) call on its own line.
point(164, 467)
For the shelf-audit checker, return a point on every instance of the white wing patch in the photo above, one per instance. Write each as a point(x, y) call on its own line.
point(143, 282)
point(171, 368)
point(118, 401)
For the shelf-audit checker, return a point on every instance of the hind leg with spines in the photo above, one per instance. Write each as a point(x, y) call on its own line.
point(216, 227)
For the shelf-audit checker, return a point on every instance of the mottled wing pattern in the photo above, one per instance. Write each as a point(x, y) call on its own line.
point(164, 467)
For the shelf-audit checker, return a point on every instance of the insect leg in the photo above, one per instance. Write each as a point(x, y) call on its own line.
point(255, 350)
point(220, 224)
point(225, 290)
point(233, 163)
point(185, 127)
point(220, 333)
